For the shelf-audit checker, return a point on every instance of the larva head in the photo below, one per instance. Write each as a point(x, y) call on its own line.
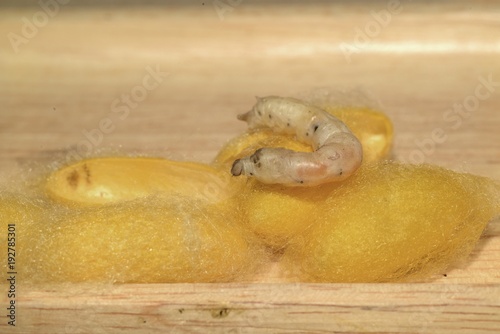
point(237, 168)
point(250, 165)
point(246, 166)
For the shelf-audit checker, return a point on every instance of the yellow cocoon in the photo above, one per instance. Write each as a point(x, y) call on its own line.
point(100, 181)
point(135, 220)
point(151, 240)
point(277, 213)
point(394, 222)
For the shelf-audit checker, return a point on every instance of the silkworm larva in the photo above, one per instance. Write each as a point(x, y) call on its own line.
point(337, 152)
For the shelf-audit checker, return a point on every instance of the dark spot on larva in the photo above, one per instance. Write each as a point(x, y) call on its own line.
point(258, 153)
point(270, 116)
point(316, 126)
point(251, 174)
point(307, 134)
point(340, 172)
point(73, 179)
point(259, 165)
point(258, 112)
point(288, 124)
point(87, 173)
point(445, 275)
point(255, 158)
point(301, 181)
point(181, 310)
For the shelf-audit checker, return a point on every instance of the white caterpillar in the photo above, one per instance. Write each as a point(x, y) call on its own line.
point(337, 152)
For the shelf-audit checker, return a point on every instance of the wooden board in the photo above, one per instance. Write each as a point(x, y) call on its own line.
point(416, 61)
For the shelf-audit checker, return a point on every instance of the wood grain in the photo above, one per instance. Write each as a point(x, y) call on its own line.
point(264, 308)
point(428, 57)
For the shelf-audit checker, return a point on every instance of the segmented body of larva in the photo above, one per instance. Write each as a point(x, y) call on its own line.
point(337, 152)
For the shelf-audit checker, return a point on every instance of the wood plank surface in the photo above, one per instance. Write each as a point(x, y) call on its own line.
point(264, 308)
point(416, 61)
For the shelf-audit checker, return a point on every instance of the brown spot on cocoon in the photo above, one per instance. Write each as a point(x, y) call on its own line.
point(73, 178)
point(87, 173)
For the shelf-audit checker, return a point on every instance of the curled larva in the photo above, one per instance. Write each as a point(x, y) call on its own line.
point(337, 152)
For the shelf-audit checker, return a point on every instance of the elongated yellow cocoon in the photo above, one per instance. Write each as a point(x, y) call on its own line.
point(125, 220)
point(393, 222)
point(115, 179)
point(157, 239)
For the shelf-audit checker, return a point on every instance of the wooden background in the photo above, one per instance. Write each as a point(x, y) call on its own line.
point(61, 79)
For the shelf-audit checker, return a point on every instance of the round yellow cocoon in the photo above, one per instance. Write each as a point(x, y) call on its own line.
point(100, 181)
point(277, 213)
point(272, 217)
point(394, 222)
point(152, 240)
